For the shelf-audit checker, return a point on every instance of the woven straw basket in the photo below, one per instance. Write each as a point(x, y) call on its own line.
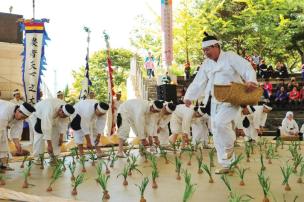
point(236, 94)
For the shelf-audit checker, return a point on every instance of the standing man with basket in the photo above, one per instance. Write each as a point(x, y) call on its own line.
point(220, 68)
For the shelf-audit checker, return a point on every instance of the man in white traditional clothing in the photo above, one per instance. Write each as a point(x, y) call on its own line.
point(162, 128)
point(11, 116)
point(181, 121)
point(89, 123)
point(17, 97)
point(51, 121)
point(14, 135)
point(220, 68)
point(262, 113)
point(140, 115)
point(60, 95)
point(250, 120)
point(200, 130)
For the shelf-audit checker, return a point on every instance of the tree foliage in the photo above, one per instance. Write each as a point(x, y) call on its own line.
point(271, 28)
point(98, 72)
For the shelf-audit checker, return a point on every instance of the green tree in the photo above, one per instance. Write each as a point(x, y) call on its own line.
point(98, 72)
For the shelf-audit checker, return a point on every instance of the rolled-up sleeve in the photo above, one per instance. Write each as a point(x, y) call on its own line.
point(243, 67)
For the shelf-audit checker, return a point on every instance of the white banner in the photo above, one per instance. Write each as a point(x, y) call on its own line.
point(33, 51)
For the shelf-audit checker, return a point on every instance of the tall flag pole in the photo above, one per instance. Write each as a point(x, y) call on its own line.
point(34, 61)
point(111, 92)
point(167, 32)
point(86, 82)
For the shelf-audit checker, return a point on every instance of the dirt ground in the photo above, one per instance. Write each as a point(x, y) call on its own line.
point(169, 189)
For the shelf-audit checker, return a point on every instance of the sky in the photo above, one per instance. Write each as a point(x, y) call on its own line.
point(67, 49)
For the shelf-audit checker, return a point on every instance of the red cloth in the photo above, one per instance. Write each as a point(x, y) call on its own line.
point(294, 95)
point(268, 87)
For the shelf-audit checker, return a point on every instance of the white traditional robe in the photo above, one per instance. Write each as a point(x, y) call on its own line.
point(229, 67)
point(7, 121)
point(51, 125)
point(16, 133)
point(262, 116)
point(162, 125)
point(200, 130)
point(254, 125)
point(288, 127)
point(135, 113)
point(90, 124)
point(181, 119)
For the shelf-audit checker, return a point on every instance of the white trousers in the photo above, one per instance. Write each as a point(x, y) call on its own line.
point(200, 132)
point(39, 143)
point(79, 137)
point(224, 136)
point(124, 129)
point(163, 136)
point(251, 132)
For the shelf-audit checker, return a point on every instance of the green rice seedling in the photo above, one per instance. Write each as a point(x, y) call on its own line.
point(227, 183)
point(178, 165)
point(236, 198)
point(251, 145)
point(247, 151)
point(56, 175)
point(262, 162)
point(23, 161)
point(155, 174)
point(142, 187)
point(133, 165)
point(190, 154)
point(282, 144)
point(82, 161)
point(112, 160)
point(235, 163)
point(74, 154)
point(163, 154)
point(72, 168)
point(92, 156)
point(174, 147)
point(270, 154)
point(190, 188)
point(301, 174)
point(208, 171)
point(286, 172)
point(124, 173)
point(78, 180)
point(102, 180)
point(199, 164)
point(241, 173)
point(26, 174)
point(265, 184)
point(197, 144)
point(42, 161)
point(211, 157)
point(99, 167)
point(277, 145)
point(298, 159)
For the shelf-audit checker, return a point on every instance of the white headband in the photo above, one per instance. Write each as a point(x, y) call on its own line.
point(199, 110)
point(168, 109)
point(155, 107)
point(267, 107)
point(16, 92)
point(205, 44)
point(24, 110)
point(101, 110)
point(65, 111)
point(249, 109)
